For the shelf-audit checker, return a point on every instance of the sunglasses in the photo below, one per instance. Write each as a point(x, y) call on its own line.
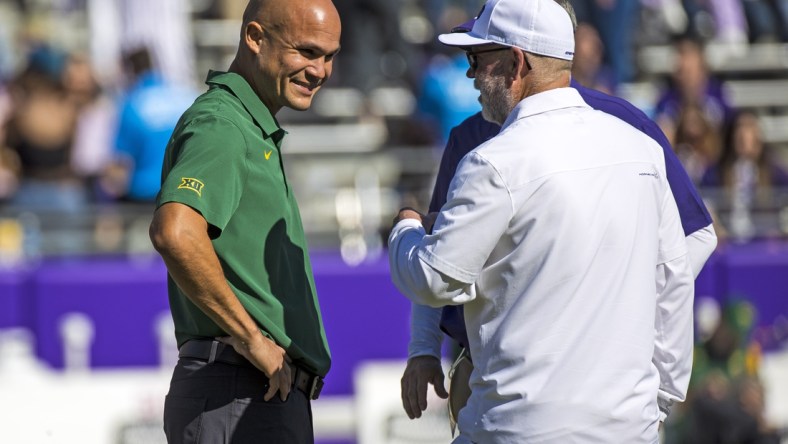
point(473, 58)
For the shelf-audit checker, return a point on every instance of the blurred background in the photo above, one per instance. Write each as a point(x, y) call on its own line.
point(90, 91)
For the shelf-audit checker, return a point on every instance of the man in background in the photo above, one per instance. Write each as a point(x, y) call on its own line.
point(147, 116)
point(428, 324)
point(557, 249)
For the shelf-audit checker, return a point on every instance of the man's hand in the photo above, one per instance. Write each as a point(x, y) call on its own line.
point(420, 371)
point(269, 358)
point(180, 234)
point(427, 220)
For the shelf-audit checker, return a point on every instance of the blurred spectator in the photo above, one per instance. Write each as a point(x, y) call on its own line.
point(725, 403)
point(691, 85)
point(164, 27)
point(9, 161)
point(373, 51)
point(661, 19)
point(5, 103)
point(721, 21)
point(9, 20)
point(747, 175)
point(700, 19)
point(727, 349)
point(750, 397)
point(147, 116)
point(746, 160)
point(92, 146)
point(616, 21)
point(587, 66)
point(436, 9)
point(731, 24)
point(724, 411)
point(9, 173)
point(767, 20)
point(697, 142)
point(447, 96)
point(40, 131)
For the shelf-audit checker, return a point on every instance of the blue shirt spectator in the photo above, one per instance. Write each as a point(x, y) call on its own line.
point(448, 96)
point(148, 115)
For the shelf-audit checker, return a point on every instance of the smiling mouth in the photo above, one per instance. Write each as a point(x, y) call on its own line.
point(306, 87)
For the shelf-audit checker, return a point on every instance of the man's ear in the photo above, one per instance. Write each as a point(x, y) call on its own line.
point(253, 37)
point(519, 63)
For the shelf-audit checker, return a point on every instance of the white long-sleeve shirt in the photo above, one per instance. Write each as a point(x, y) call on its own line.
point(565, 253)
point(426, 337)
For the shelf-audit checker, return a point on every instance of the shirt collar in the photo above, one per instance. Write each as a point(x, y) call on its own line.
point(543, 102)
point(244, 92)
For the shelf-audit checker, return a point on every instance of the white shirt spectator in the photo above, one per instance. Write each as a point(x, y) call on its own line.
point(569, 256)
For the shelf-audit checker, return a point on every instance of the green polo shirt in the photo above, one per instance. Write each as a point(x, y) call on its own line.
point(224, 161)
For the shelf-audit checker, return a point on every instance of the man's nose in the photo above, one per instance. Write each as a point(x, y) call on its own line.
point(319, 69)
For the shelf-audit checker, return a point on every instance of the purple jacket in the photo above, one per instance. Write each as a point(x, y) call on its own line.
point(475, 130)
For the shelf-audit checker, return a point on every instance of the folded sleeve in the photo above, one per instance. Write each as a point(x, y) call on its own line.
point(478, 210)
point(416, 279)
point(441, 268)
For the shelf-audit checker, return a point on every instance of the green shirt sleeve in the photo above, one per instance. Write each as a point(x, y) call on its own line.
point(205, 168)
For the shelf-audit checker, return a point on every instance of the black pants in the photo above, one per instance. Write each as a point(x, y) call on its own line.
point(223, 403)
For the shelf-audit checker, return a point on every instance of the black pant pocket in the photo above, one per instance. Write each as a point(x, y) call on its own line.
point(182, 419)
point(273, 421)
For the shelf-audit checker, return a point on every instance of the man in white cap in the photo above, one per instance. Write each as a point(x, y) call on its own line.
point(561, 237)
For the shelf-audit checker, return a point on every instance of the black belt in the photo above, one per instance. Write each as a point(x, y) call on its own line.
point(215, 351)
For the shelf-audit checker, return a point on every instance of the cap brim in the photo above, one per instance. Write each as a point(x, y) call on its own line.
point(462, 39)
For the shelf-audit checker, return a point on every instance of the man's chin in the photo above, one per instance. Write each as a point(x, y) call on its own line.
point(492, 119)
point(300, 105)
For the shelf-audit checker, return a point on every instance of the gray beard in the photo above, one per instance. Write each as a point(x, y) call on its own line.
point(496, 100)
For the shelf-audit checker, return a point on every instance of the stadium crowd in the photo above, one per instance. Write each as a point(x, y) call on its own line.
point(75, 132)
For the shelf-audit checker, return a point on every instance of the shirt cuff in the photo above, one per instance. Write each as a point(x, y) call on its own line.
point(407, 223)
point(426, 336)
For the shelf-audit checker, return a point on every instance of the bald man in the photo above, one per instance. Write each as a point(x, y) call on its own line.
point(252, 349)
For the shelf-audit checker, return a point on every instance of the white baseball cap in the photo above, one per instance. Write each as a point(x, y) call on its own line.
point(538, 26)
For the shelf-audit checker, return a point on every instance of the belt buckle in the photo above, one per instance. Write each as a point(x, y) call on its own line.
point(315, 387)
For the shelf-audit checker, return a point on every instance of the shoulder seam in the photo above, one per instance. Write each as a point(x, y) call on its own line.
point(241, 133)
point(498, 173)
